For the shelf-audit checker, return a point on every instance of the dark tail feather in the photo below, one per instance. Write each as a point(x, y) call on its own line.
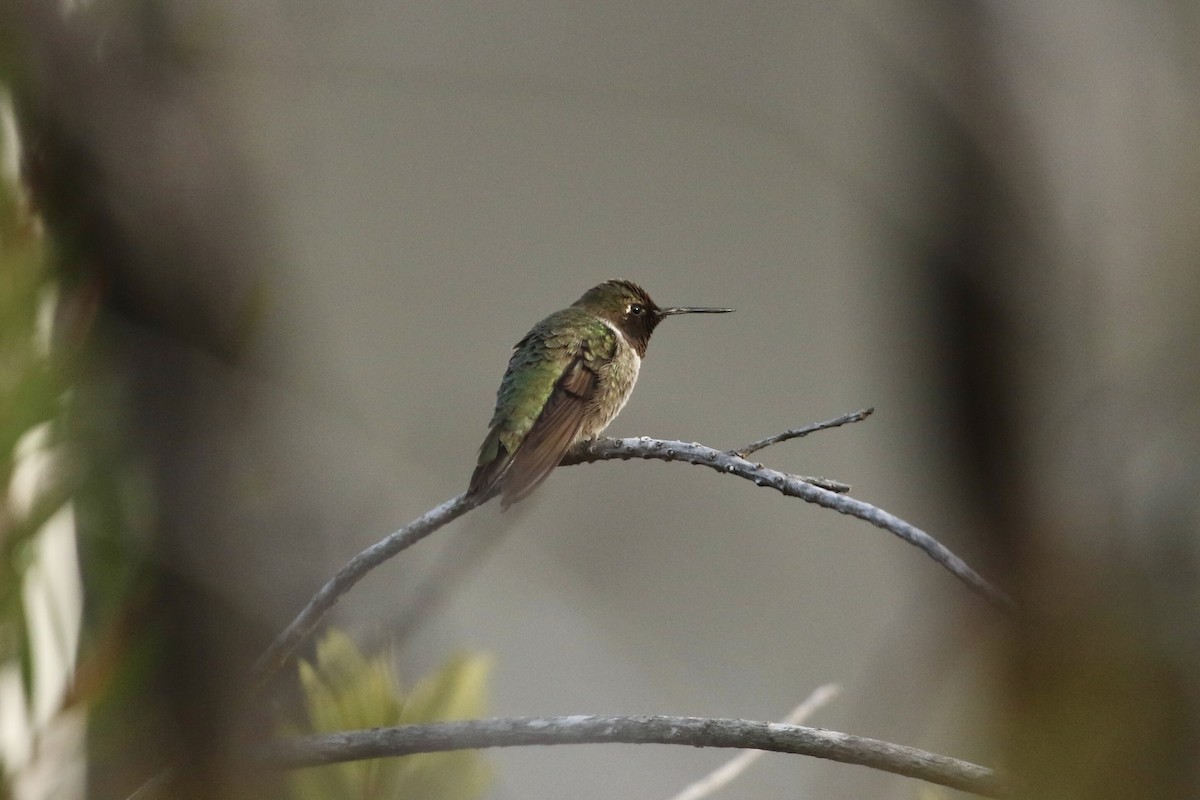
point(487, 477)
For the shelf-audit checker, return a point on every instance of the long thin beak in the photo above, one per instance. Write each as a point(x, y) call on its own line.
point(692, 310)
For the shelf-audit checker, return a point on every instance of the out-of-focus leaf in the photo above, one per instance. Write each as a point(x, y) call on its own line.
point(33, 486)
point(347, 690)
point(456, 691)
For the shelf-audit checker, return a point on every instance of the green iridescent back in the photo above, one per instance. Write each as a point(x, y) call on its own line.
point(537, 363)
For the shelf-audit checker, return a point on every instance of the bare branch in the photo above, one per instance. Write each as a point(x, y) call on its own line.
point(722, 775)
point(332, 748)
point(796, 433)
point(280, 650)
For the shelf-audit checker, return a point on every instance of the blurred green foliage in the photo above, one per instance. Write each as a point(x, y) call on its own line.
point(347, 690)
point(31, 387)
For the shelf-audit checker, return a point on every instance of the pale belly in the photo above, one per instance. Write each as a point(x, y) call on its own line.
point(615, 384)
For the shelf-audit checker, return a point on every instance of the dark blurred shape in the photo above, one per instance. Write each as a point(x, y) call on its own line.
point(976, 349)
point(1062, 322)
point(153, 222)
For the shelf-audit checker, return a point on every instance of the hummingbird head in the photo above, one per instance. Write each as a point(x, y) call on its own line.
point(628, 308)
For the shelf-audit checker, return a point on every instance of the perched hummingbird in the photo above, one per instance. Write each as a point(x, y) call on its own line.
point(567, 379)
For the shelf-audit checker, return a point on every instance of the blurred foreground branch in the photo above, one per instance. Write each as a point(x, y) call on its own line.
point(334, 748)
point(284, 645)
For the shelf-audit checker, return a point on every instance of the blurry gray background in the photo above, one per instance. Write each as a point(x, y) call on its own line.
point(439, 176)
point(980, 218)
point(442, 176)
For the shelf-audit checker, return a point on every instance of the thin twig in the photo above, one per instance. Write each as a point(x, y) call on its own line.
point(333, 748)
point(724, 774)
point(284, 646)
point(158, 786)
point(796, 433)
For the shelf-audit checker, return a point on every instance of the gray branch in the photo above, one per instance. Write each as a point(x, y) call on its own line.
point(807, 489)
point(331, 748)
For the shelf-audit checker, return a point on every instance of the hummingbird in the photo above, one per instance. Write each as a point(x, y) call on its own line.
point(566, 381)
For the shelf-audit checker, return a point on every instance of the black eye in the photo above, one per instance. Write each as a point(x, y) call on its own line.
point(637, 309)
